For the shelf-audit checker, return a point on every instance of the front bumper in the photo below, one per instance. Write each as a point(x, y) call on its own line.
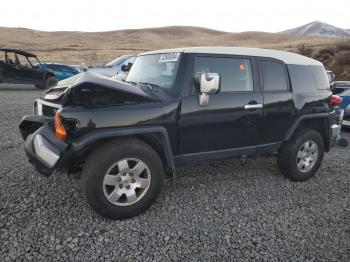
point(44, 150)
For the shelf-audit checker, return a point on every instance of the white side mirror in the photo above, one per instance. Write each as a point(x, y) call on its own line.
point(210, 84)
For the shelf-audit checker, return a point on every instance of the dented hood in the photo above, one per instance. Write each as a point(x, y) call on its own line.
point(56, 92)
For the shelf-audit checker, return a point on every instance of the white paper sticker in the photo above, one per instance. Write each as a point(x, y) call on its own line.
point(170, 57)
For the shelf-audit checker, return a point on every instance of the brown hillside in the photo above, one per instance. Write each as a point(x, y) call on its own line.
point(99, 47)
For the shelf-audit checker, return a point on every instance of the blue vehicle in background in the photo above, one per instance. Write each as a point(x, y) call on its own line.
point(63, 71)
point(345, 106)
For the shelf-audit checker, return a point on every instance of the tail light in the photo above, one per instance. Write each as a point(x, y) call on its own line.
point(60, 131)
point(335, 100)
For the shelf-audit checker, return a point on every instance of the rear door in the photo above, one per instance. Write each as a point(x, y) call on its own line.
point(278, 100)
point(232, 119)
point(25, 69)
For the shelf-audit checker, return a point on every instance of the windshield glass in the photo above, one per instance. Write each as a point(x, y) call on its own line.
point(156, 69)
point(329, 74)
point(345, 93)
point(118, 61)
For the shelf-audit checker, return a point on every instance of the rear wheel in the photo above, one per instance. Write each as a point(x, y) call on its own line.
point(122, 178)
point(50, 82)
point(300, 157)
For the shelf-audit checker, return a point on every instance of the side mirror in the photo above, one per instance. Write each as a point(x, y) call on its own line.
point(209, 84)
point(126, 67)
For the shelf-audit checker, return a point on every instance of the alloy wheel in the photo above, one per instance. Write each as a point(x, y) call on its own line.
point(307, 156)
point(126, 181)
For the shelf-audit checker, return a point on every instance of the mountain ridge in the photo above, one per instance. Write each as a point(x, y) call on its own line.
point(318, 28)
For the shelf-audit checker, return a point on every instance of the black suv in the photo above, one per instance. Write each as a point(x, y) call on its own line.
point(178, 107)
point(20, 67)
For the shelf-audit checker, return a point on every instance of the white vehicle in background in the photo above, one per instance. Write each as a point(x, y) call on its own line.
point(118, 65)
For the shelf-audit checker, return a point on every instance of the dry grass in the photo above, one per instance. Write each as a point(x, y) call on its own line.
point(99, 47)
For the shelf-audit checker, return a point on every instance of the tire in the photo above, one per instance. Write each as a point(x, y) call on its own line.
point(103, 192)
point(50, 82)
point(297, 158)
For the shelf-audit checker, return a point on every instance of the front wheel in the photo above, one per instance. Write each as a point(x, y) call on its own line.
point(300, 158)
point(122, 178)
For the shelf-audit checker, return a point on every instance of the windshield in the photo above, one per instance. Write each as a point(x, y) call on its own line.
point(329, 74)
point(118, 61)
point(157, 70)
point(345, 93)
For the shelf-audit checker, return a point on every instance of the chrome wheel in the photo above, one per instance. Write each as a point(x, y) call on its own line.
point(307, 156)
point(126, 181)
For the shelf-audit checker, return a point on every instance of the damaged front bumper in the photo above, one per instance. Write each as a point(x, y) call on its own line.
point(43, 149)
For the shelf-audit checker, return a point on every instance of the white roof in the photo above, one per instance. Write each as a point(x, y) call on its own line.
point(286, 57)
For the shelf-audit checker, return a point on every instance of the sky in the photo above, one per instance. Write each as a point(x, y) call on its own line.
point(225, 15)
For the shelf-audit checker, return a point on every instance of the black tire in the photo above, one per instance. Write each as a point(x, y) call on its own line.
point(50, 82)
point(100, 161)
point(288, 155)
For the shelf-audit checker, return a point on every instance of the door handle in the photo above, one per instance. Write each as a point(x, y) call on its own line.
point(253, 106)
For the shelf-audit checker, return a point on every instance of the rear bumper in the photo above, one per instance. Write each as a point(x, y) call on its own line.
point(44, 150)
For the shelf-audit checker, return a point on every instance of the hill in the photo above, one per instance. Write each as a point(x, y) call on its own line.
point(94, 48)
point(104, 46)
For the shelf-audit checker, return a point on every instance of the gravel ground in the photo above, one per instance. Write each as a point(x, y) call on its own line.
point(217, 211)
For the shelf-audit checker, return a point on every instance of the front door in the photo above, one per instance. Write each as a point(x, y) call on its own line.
point(232, 119)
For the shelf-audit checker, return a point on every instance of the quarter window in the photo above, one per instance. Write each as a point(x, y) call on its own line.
point(274, 76)
point(235, 73)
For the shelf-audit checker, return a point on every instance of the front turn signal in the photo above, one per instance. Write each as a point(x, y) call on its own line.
point(60, 131)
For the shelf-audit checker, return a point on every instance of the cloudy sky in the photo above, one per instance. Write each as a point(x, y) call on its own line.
point(226, 15)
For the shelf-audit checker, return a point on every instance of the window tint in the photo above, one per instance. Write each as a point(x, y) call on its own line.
point(274, 76)
point(235, 73)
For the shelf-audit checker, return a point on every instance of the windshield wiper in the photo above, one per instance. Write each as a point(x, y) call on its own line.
point(130, 82)
point(151, 85)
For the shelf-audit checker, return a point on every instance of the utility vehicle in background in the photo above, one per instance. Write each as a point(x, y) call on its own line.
point(19, 67)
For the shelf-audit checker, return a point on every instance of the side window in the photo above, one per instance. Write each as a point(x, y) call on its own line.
point(11, 58)
point(235, 73)
point(274, 76)
point(23, 60)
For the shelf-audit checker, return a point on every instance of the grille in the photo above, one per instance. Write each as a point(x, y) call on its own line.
point(48, 110)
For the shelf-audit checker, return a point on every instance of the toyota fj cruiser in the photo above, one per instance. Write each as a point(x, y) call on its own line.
point(178, 107)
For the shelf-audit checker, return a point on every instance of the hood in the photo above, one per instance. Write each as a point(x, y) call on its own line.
point(94, 85)
point(105, 70)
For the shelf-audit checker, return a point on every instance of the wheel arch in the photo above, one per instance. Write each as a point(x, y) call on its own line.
point(156, 137)
point(319, 122)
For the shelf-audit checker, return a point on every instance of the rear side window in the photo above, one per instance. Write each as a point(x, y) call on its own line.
point(274, 76)
point(320, 77)
point(235, 73)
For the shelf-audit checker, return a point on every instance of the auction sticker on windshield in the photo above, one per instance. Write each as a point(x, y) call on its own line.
point(170, 57)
